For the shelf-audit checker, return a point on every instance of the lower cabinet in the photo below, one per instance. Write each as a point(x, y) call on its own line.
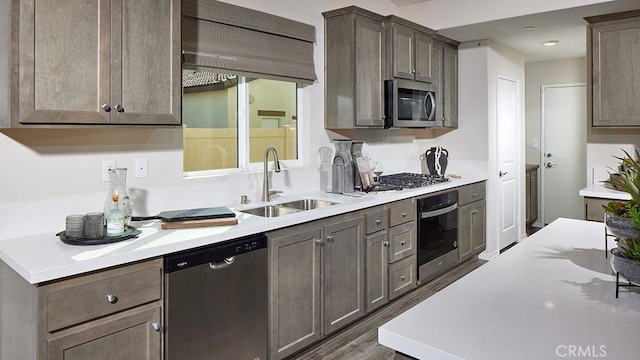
point(377, 270)
point(129, 335)
point(317, 281)
point(471, 220)
point(593, 210)
point(109, 314)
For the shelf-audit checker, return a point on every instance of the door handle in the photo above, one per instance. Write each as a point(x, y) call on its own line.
point(501, 174)
point(550, 165)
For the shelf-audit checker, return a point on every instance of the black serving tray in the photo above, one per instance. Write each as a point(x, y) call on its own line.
point(129, 233)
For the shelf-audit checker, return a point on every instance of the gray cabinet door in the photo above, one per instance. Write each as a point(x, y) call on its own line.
point(97, 62)
point(465, 231)
point(615, 63)
point(402, 47)
point(294, 301)
point(377, 268)
point(368, 73)
point(146, 84)
point(423, 51)
point(471, 229)
point(63, 64)
point(127, 335)
point(445, 76)
point(450, 86)
point(478, 225)
point(343, 273)
point(354, 62)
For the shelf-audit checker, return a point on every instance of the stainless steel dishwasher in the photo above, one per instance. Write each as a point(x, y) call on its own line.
point(216, 301)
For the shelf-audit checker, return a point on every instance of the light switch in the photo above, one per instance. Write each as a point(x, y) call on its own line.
point(535, 144)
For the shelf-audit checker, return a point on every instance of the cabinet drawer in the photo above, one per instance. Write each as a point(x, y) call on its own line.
point(81, 299)
point(402, 212)
point(472, 192)
point(402, 239)
point(402, 277)
point(376, 220)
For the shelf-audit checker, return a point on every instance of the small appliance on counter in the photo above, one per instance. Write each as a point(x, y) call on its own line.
point(342, 168)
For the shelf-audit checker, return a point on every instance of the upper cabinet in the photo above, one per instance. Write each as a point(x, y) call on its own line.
point(96, 62)
point(613, 47)
point(445, 77)
point(409, 50)
point(354, 49)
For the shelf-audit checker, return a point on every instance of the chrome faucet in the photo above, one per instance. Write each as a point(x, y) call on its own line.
point(266, 192)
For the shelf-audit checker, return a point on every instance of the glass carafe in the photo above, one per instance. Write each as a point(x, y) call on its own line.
point(118, 186)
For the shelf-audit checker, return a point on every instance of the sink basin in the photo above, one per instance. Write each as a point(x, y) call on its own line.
point(287, 208)
point(307, 204)
point(271, 211)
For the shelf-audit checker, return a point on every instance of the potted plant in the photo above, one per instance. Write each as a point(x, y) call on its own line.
point(622, 219)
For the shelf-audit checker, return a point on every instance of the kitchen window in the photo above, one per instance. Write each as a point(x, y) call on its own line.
point(229, 120)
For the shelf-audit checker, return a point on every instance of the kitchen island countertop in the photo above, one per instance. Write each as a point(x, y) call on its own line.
point(550, 296)
point(43, 257)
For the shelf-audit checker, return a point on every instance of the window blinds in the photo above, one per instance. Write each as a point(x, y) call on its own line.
point(243, 41)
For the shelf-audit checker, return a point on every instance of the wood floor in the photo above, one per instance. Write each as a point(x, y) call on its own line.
point(359, 341)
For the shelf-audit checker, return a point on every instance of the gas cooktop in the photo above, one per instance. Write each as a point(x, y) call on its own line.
point(411, 180)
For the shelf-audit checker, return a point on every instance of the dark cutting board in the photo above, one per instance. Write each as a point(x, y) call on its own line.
point(190, 214)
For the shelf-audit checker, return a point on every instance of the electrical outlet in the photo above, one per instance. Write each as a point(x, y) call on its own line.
point(106, 165)
point(141, 168)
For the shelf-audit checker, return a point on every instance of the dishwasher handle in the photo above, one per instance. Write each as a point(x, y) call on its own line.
point(217, 265)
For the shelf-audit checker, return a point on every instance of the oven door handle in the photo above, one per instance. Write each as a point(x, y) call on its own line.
point(434, 213)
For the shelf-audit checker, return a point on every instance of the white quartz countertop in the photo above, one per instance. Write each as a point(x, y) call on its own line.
point(550, 296)
point(44, 257)
point(600, 191)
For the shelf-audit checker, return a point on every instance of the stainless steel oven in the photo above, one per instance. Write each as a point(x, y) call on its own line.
point(409, 104)
point(437, 234)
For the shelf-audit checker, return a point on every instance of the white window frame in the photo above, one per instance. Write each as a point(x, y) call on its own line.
point(244, 166)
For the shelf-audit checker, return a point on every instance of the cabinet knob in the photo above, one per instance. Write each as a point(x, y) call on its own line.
point(155, 326)
point(402, 242)
point(404, 215)
point(413, 71)
point(378, 222)
point(319, 242)
point(474, 194)
point(402, 278)
point(330, 238)
point(112, 299)
point(106, 107)
point(385, 243)
point(119, 108)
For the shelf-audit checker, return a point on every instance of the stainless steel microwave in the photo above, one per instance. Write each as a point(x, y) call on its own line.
point(409, 104)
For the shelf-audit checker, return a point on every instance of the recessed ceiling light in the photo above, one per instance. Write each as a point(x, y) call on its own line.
point(529, 27)
point(551, 43)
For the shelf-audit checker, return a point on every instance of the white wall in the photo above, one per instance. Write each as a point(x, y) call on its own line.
point(546, 73)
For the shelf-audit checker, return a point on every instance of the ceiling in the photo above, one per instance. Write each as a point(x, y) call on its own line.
point(567, 26)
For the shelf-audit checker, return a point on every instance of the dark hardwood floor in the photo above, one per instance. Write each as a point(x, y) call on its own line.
point(359, 341)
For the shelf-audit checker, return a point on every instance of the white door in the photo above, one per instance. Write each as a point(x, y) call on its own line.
point(564, 150)
point(508, 153)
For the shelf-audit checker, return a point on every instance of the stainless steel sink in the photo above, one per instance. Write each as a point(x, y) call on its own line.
point(308, 204)
point(271, 211)
point(287, 208)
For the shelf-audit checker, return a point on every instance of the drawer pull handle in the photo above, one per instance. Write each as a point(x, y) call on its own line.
point(378, 222)
point(404, 215)
point(385, 243)
point(155, 326)
point(112, 299)
point(402, 278)
point(402, 242)
point(320, 242)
